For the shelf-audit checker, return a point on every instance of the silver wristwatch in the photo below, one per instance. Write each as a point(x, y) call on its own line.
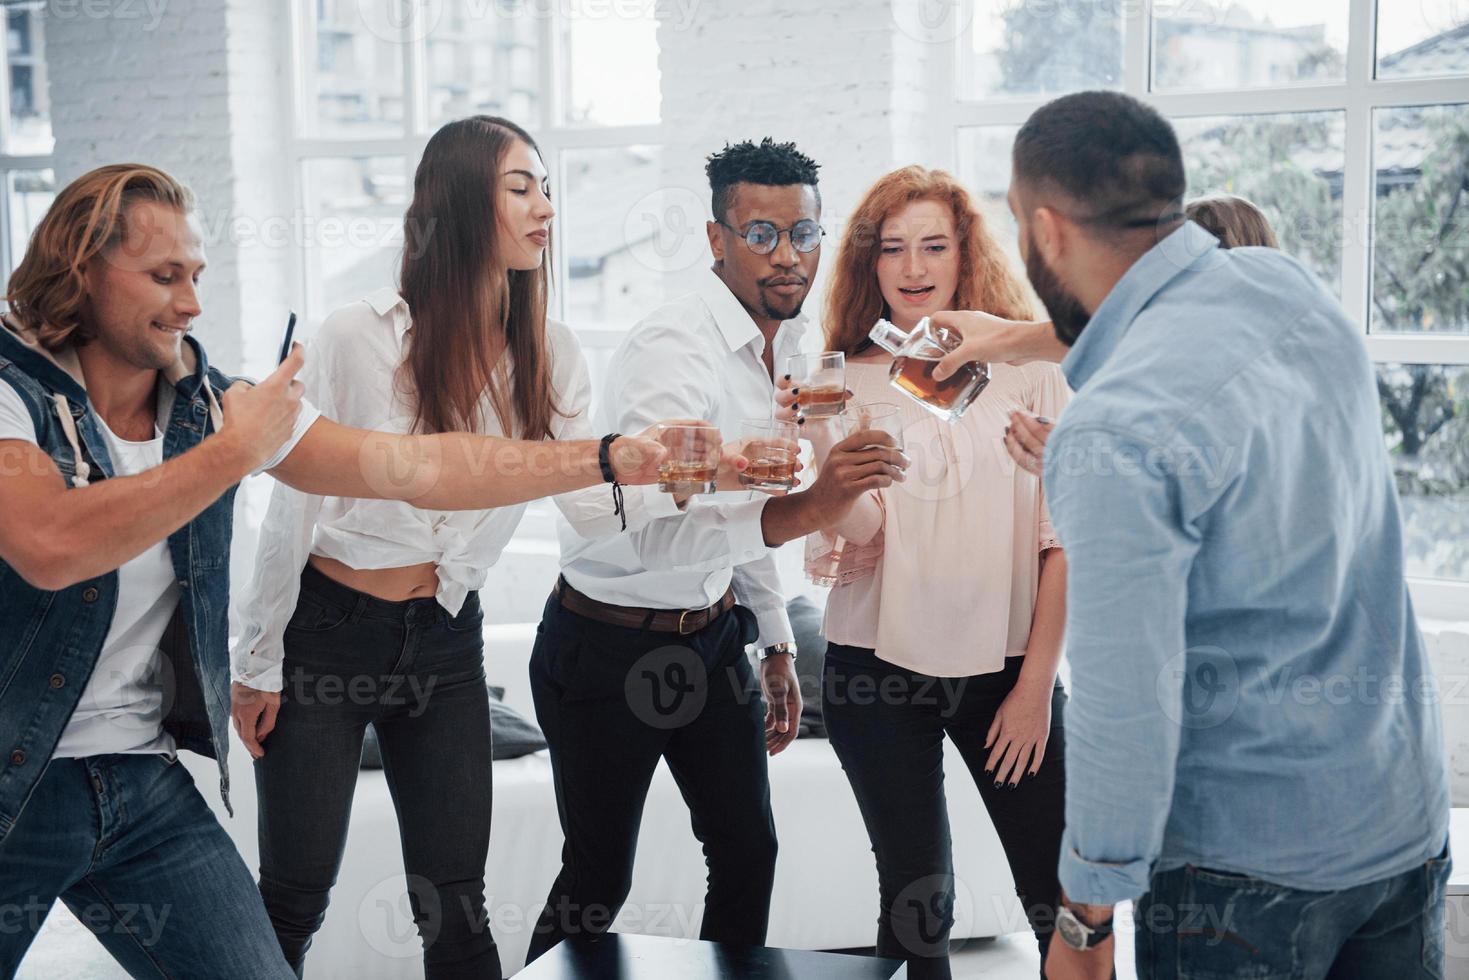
point(776, 649)
point(1077, 934)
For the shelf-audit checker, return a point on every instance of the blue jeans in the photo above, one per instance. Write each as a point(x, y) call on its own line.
point(130, 846)
point(1210, 925)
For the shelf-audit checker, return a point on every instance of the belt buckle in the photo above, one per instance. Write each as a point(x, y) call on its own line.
point(681, 616)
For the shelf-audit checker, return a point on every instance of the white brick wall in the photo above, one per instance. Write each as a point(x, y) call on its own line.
point(189, 86)
point(839, 77)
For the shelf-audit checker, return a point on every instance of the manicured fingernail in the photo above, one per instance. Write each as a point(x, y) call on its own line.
point(788, 377)
point(997, 784)
point(795, 391)
point(800, 421)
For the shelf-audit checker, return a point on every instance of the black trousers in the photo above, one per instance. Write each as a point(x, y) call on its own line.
point(417, 676)
point(613, 701)
point(887, 725)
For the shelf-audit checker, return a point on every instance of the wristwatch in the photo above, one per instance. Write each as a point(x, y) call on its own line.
point(775, 649)
point(1077, 934)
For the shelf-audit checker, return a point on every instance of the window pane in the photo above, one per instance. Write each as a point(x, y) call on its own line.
point(352, 230)
point(1420, 235)
point(610, 59)
point(30, 193)
point(354, 83)
point(623, 231)
point(1428, 37)
point(1425, 416)
point(483, 60)
point(1018, 47)
point(1290, 165)
point(1226, 44)
point(984, 168)
point(30, 103)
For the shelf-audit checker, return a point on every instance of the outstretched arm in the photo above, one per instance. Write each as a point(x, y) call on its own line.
point(455, 470)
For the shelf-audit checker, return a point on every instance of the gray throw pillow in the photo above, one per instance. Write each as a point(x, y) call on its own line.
point(511, 734)
point(806, 619)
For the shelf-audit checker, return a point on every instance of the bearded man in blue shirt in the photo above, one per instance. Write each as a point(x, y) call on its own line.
point(1255, 752)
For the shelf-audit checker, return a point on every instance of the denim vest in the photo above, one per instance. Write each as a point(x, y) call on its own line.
point(50, 641)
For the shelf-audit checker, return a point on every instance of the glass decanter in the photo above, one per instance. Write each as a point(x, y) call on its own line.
point(916, 354)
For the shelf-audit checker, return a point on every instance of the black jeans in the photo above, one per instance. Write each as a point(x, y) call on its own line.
point(612, 701)
point(887, 725)
point(417, 676)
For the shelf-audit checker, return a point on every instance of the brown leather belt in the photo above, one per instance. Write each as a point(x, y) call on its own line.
point(680, 621)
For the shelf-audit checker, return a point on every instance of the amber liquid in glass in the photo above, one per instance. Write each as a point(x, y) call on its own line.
point(915, 376)
point(817, 402)
point(770, 473)
point(684, 477)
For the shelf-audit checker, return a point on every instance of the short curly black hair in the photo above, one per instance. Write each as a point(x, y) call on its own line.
point(767, 162)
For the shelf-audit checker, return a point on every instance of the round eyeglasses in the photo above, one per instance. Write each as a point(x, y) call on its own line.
point(761, 237)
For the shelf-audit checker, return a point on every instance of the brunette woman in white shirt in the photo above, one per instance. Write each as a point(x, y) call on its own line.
point(948, 614)
point(368, 611)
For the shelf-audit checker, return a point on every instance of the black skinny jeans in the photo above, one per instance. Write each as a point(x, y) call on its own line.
point(887, 725)
point(417, 676)
point(612, 701)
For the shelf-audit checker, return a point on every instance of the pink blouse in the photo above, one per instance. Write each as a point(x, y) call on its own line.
point(939, 573)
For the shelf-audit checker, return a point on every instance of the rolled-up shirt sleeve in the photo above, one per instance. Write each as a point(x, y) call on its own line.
point(1129, 553)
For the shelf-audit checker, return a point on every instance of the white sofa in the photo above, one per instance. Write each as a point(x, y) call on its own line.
point(825, 888)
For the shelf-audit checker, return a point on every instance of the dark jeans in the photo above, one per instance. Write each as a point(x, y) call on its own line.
point(417, 676)
point(613, 701)
point(130, 846)
point(1195, 922)
point(887, 725)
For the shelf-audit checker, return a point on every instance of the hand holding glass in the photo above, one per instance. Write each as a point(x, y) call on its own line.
point(820, 383)
point(692, 465)
point(773, 451)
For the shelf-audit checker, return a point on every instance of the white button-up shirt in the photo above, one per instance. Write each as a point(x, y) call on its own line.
point(349, 374)
point(698, 357)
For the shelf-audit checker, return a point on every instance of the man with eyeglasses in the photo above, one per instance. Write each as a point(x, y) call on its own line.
point(640, 654)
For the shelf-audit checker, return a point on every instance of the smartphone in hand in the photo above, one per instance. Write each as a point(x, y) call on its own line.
point(286, 343)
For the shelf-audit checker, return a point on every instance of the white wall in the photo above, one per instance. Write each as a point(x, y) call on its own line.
point(191, 86)
point(844, 79)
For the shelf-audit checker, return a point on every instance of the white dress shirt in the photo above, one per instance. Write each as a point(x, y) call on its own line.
point(698, 357)
point(349, 374)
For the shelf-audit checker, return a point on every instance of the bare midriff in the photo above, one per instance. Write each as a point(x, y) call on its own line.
point(393, 584)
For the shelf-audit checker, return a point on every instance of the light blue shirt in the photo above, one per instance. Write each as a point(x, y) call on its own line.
point(1249, 688)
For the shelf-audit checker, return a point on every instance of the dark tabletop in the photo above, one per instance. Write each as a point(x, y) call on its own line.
point(627, 957)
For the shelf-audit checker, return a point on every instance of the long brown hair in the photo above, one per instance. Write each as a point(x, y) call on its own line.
point(48, 291)
point(1233, 220)
point(473, 317)
point(986, 281)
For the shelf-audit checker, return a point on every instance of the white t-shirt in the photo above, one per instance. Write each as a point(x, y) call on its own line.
point(121, 709)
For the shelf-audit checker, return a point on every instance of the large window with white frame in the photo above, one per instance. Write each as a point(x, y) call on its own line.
point(1347, 121)
point(25, 130)
point(372, 82)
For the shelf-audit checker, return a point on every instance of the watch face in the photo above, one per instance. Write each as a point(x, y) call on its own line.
point(1073, 933)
